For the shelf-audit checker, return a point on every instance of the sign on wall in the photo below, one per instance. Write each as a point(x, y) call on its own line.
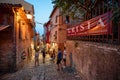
point(99, 25)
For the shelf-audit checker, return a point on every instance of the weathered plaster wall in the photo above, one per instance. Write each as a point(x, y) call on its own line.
point(95, 61)
point(6, 51)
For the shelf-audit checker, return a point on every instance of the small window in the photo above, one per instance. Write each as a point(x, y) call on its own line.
point(56, 19)
point(67, 19)
point(28, 12)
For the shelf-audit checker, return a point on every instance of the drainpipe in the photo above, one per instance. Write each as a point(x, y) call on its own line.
point(14, 40)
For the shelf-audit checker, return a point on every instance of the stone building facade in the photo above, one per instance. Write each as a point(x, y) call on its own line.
point(58, 29)
point(47, 35)
point(47, 31)
point(29, 8)
point(16, 37)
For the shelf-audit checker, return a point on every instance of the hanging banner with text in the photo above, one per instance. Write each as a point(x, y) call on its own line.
point(99, 25)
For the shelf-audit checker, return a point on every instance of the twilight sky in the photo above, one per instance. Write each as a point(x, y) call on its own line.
point(43, 9)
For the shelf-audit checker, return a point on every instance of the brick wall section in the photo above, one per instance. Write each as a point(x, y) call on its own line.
point(6, 51)
point(95, 61)
point(22, 45)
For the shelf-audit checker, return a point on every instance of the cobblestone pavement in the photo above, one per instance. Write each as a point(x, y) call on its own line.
point(46, 71)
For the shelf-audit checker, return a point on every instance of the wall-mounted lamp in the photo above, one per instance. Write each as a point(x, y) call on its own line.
point(29, 16)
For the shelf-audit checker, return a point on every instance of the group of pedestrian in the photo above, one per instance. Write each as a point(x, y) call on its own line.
point(37, 56)
point(61, 57)
point(53, 55)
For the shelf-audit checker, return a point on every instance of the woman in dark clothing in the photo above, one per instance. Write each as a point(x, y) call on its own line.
point(43, 54)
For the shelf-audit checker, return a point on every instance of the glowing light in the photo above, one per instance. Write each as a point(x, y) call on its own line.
point(32, 45)
point(29, 16)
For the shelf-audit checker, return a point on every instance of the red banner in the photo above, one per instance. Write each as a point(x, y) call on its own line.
point(99, 25)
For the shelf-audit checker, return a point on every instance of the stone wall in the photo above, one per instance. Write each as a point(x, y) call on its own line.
point(94, 61)
point(6, 51)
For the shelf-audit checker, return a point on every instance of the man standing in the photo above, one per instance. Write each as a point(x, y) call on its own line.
point(59, 59)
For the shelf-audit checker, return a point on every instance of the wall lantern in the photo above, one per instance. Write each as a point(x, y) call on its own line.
point(29, 16)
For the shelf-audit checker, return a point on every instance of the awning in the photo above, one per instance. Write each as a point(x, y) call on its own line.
point(2, 27)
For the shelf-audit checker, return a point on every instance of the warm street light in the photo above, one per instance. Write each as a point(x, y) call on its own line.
point(29, 16)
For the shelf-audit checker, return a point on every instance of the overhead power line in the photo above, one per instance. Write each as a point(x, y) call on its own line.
point(39, 23)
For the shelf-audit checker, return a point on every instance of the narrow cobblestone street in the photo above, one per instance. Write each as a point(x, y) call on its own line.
point(46, 71)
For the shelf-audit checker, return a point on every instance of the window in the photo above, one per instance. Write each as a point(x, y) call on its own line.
point(56, 19)
point(22, 30)
point(67, 19)
point(55, 35)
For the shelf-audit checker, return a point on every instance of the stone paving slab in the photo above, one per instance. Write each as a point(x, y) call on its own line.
point(45, 71)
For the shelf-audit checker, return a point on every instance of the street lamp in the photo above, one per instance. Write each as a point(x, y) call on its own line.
point(29, 16)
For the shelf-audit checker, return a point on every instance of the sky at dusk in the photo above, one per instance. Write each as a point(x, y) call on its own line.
point(43, 9)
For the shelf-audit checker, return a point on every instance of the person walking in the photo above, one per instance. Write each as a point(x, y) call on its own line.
point(53, 55)
point(64, 57)
point(59, 59)
point(37, 58)
point(44, 55)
